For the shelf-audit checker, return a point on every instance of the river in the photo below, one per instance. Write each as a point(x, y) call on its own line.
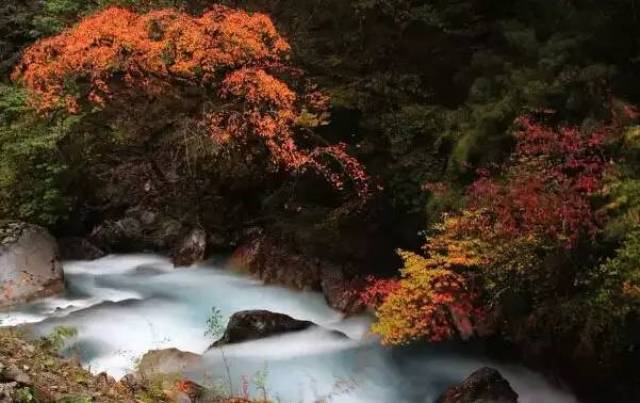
point(125, 305)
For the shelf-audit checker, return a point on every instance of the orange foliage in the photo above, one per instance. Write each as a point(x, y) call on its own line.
point(148, 52)
point(120, 55)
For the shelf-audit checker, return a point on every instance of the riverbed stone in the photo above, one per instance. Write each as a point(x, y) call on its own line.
point(486, 385)
point(252, 325)
point(29, 264)
point(167, 362)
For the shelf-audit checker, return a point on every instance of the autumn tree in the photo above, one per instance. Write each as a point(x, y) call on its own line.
point(436, 297)
point(227, 70)
point(512, 239)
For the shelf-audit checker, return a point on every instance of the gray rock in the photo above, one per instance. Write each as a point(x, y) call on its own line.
point(170, 361)
point(29, 265)
point(138, 230)
point(486, 385)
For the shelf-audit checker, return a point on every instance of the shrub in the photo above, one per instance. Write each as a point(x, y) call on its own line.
point(33, 172)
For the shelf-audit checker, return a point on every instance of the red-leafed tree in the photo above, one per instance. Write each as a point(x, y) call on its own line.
point(546, 188)
point(227, 66)
point(539, 202)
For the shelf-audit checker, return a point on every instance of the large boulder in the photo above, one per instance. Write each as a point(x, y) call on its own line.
point(170, 361)
point(29, 265)
point(192, 248)
point(251, 325)
point(486, 385)
point(76, 248)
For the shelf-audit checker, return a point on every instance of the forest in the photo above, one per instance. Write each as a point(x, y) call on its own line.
point(469, 169)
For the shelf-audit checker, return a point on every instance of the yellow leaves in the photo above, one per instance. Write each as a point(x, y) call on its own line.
point(430, 302)
point(632, 136)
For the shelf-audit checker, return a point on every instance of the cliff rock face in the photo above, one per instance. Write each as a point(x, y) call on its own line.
point(276, 263)
point(192, 248)
point(29, 265)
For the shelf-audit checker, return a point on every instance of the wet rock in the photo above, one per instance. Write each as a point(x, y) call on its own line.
point(75, 248)
point(339, 290)
point(247, 256)
point(192, 249)
point(29, 265)
point(251, 325)
point(275, 263)
point(486, 385)
point(166, 362)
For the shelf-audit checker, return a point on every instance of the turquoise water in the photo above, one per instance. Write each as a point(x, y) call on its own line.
point(125, 305)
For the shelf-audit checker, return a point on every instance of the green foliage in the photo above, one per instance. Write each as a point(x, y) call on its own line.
point(56, 15)
point(25, 395)
point(33, 172)
point(59, 337)
point(215, 324)
point(15, 32)
point(603, 314)
point(260, 382)
point(416, 144)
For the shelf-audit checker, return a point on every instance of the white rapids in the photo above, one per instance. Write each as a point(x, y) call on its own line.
point(125, 305)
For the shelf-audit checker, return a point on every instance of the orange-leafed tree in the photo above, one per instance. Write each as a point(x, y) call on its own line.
point(227, 70)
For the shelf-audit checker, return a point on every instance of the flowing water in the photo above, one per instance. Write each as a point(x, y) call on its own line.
point(123, 306)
